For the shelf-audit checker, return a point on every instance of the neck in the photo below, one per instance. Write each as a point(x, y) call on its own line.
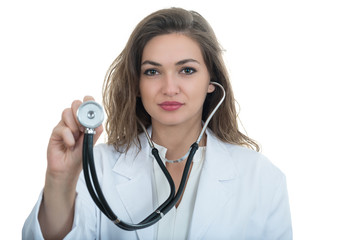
point(177, 139)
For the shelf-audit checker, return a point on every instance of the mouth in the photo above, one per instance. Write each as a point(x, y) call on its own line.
point(170, 105)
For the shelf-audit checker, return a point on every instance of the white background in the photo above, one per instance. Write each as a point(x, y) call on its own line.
point(294, 65)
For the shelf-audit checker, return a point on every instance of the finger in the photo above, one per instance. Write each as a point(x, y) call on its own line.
point(63, 135)
point(68, 138)
point(74, 108)
point(88, 98)
point(69, 121)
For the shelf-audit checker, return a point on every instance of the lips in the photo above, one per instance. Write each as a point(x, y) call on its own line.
point(170, 105)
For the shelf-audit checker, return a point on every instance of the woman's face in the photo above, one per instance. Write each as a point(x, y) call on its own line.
point(174, 80)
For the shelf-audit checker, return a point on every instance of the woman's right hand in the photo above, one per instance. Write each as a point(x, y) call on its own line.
point(64, 164)
point(64, 154)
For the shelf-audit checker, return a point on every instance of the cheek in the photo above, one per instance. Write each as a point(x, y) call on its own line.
point(144, 89)
point(197, 96)
point(147, 94)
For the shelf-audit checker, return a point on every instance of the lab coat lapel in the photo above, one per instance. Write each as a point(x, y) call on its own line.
point(135, 185)
point(215, 186)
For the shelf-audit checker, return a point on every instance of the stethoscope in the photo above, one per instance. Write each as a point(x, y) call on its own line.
point(90, 115)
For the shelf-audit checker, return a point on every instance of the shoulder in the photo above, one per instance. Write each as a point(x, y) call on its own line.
point(245, 158)
point(245, 162)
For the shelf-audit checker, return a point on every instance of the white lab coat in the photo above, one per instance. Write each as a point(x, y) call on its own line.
point(241, 195)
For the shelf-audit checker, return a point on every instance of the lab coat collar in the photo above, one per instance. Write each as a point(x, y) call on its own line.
point(220, 161)
point(134, 185)
point(125, 163)
point(216, 186)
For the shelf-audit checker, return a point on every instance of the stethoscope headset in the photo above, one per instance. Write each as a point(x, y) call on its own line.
point(90, 115)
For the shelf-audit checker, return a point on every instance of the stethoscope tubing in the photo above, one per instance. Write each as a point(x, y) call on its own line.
point(97, 195)
point(93, 185)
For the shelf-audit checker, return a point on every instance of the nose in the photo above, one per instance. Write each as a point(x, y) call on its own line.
point(170, 85)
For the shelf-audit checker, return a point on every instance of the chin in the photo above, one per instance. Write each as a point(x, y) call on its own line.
point(172, 122)
point(169, 120)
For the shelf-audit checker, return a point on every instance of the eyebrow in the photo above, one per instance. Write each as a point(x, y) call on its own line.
point(181, 62)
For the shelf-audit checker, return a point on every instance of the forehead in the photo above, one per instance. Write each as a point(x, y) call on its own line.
point(172, 47)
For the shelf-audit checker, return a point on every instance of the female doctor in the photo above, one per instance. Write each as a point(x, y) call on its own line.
point(163, 78)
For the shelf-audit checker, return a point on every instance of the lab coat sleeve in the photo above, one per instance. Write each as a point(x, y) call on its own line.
point(84, 225)
point(31, 229)
point(278, 224)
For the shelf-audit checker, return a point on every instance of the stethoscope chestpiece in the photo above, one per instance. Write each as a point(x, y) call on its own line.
point(90, 114)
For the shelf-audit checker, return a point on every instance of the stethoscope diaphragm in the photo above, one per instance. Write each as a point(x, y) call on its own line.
point(90, 114)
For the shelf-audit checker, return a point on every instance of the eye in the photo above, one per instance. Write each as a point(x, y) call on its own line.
point(188, 70)
point(151, 72)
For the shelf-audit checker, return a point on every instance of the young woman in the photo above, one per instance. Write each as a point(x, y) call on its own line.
point(163, 78)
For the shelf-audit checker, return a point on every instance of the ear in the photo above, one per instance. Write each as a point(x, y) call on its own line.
point(211, 88)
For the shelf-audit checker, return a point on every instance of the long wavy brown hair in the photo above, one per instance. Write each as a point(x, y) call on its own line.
point(121, 87)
